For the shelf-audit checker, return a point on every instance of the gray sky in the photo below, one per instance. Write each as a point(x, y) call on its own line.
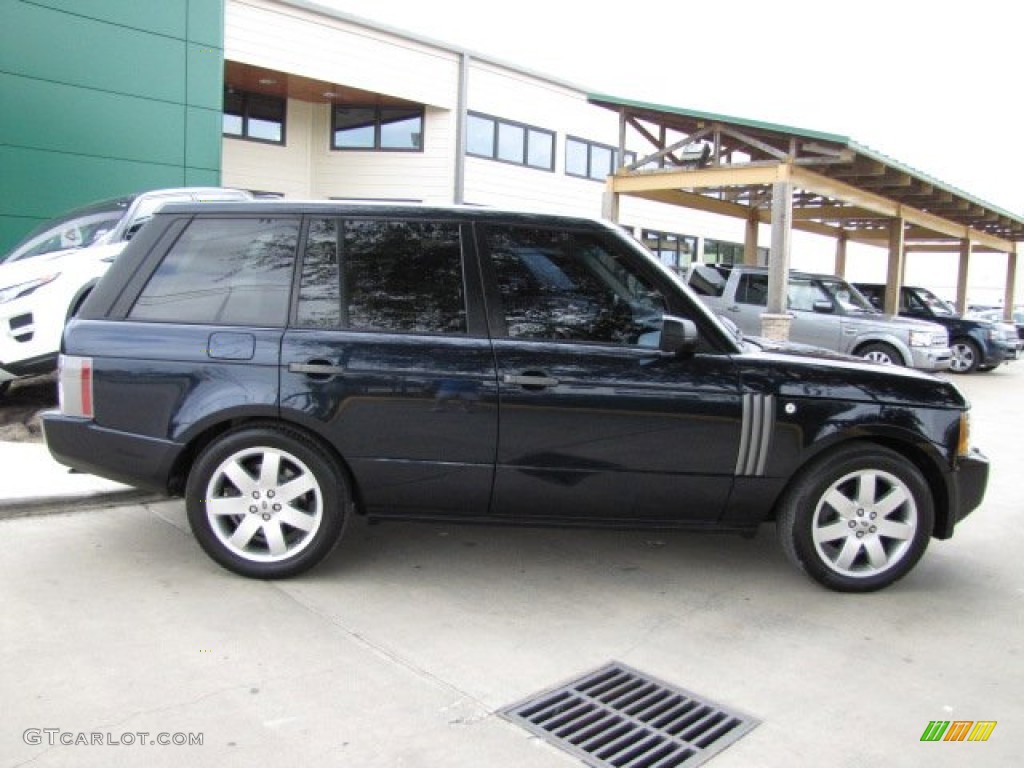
point(935, 85)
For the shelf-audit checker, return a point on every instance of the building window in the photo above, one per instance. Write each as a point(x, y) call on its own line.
point(590, 160)
point(722, 252)
point(674, 251)
point(374, 128)
point(510, 142)
point(254, 116)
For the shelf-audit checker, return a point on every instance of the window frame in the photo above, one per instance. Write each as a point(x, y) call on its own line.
point(497, 122)
point(377, 127)
point(591, 145)
point(246, 98)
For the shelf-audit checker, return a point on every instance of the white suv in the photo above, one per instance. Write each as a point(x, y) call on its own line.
point(45, 277)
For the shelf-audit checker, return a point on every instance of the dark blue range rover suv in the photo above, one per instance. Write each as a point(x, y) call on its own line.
point(285, 366)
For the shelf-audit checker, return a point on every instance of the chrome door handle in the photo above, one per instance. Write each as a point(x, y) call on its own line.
point(316, 369)
point(531, 380)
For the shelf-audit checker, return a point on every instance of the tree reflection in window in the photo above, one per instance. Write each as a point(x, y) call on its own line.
point(383, 276)
point(570, 286)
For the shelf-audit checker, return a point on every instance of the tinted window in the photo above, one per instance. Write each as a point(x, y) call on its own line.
point(571, 286)
point(752, 289)
point(224, 272)
point(383, 276)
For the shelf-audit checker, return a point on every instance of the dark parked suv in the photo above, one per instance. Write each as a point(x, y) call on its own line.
point(286, 366)
point(977, 345)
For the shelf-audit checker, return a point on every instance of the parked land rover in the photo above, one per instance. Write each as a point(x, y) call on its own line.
point(978, 345)
point(827, 312)
point(45, 278)
point(285, 366)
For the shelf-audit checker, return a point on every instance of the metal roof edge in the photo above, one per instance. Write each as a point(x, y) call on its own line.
point(881, 157)
point(715, 117)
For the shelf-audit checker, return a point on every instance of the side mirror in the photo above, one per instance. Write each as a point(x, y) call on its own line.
point(678, 336)
point(824, 307)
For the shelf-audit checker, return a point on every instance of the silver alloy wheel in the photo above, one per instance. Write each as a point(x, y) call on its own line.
point(964, 358)
point(264, 504)
point(878, 356)
point(864, 523)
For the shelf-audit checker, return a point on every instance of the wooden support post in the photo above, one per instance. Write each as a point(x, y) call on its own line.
point(961, 278)
point(894, 275)
point(841, 254)
point(1011, 286)
point(750, 239)
point(775, 322)
point(610, 202)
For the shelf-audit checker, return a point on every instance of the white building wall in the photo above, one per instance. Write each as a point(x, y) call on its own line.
point(427, 176)
point(283, 37)
point(276, 36)
point(273, 167)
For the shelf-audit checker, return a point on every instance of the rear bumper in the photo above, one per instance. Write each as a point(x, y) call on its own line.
point(967, 489)
point(144, 462)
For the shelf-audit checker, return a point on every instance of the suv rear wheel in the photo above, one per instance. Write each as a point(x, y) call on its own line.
point(858, 519)
point(266, 502)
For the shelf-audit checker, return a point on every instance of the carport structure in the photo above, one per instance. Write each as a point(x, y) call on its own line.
point(810, 181)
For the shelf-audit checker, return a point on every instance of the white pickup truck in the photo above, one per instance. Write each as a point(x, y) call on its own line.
point(827, 312)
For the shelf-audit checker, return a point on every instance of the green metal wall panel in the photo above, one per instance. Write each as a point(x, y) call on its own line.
point(204, 77)
point(200, 153)
point(164, 17)
point(104, 97)
point(61, 118)
point(42, 184)
point(64, 48)
point(206, 22)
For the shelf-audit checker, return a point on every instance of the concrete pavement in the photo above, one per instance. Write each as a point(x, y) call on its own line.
point(400, 649)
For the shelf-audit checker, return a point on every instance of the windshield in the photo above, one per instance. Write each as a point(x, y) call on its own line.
point(848, 297)
point(76, 229)
point(937, 306)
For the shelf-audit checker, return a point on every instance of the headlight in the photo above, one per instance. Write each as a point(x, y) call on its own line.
point(924, 339)
point(12, 292)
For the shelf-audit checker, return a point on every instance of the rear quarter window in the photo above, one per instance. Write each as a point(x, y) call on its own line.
point(222, 271)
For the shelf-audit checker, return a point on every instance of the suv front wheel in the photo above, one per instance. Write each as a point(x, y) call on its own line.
point(266, 502)
point(966, 356)
point(858, 519)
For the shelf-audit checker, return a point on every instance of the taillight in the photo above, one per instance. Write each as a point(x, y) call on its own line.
point(75, 386)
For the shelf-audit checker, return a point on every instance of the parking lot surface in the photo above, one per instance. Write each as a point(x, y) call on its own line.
point(402, 647)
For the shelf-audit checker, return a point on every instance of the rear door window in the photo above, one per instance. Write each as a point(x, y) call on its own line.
point(392, 276)
point(234, 271)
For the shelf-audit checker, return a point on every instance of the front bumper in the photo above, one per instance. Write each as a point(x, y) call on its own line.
point(931, 358)
point(967, 486)
point(144, 462)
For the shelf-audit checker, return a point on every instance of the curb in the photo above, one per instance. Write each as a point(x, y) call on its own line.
point(71, 503)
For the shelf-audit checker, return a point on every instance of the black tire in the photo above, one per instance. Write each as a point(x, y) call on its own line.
point(4, 386)
point(281, 530)
point(966, 356)
point(880, 352)
point(857, 519)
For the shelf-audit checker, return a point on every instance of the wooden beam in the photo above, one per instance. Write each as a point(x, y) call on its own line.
point(879, 204)
point(830, 213)
point(750, 141)
point(700, 178)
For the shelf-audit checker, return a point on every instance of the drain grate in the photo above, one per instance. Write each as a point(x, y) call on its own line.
point(619, 717)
